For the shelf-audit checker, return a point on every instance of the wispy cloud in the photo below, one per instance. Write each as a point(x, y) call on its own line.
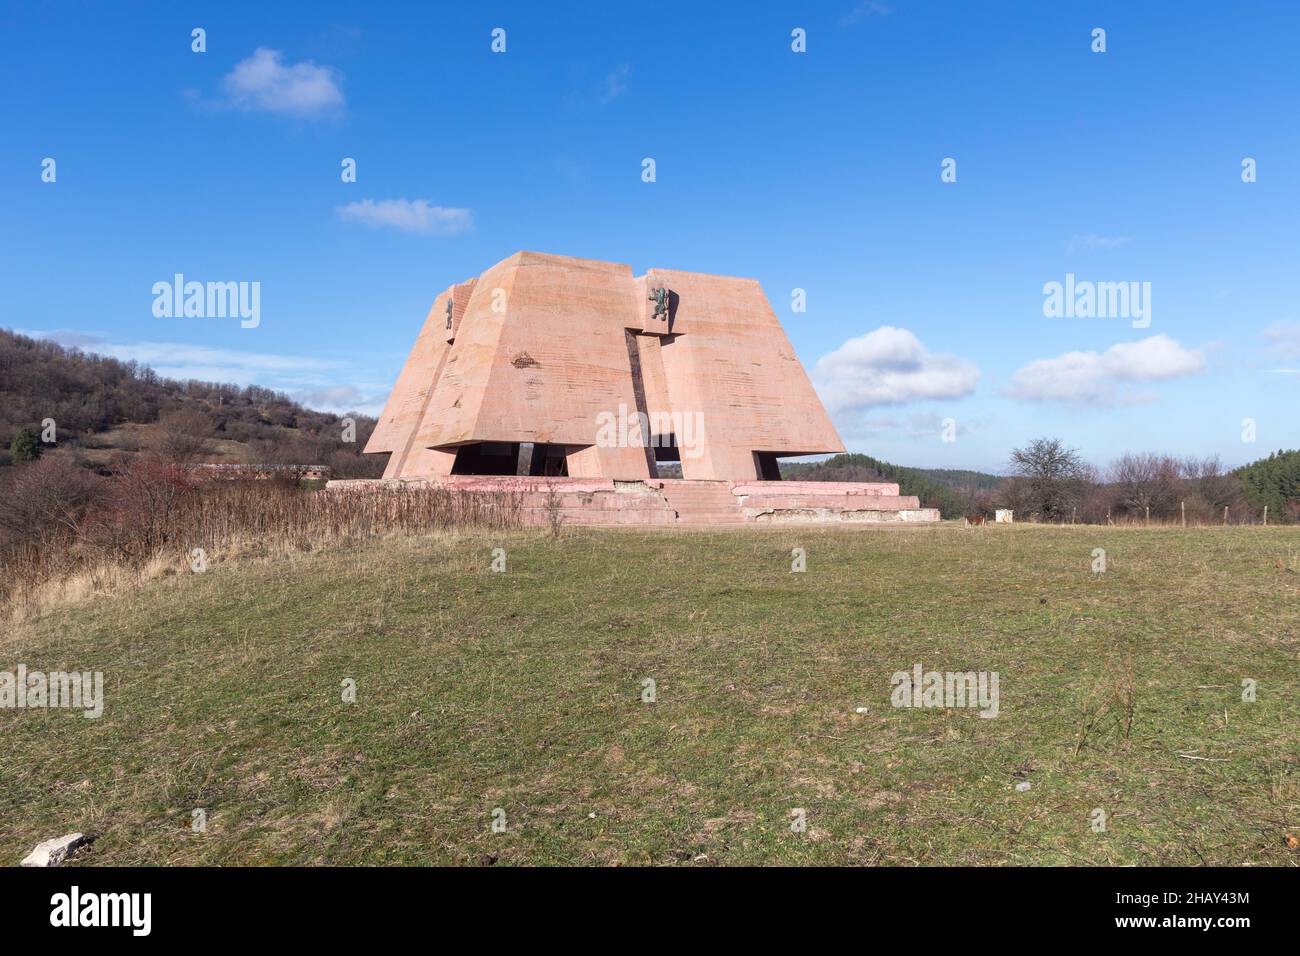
point(161, 356)
point(889, 366)
point(864, 9)
point(1093, 241)
point(333, 397)
point(1284, 338)
point(616, 83)
point(1105, 378)
point(915, 425)
point(312, 381)
point(408, 215)
point(265, 82)
point(593, 91)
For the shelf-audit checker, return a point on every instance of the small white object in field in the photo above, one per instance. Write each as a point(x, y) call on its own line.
point(53, 852)
point(861, 710)
point(1023, 786)
point(1004, 516)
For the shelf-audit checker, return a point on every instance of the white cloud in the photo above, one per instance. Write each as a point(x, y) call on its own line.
point(408, 215)
point(183, 361)
point(160, 355)
point(865, 8)
point(337, 396)
point(1094, 241)
point(887, 367)
point(614, 83)
point(1284, 337)
point(265, 82)
point(914, 425)
point(1103, 378)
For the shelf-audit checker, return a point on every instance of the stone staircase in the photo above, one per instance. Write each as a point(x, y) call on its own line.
point(821, 502)
point(700, 502)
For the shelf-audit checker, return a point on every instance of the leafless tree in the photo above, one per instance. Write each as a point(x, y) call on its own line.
point(45, 499)
point(1217, 487)
point(183, 436)
point(1051, 478)
point(1145, 483)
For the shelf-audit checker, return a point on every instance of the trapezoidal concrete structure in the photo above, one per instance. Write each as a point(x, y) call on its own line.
point(574, 372)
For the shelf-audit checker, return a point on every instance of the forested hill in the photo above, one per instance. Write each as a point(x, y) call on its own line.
point(1274, 482)
point(102, 407)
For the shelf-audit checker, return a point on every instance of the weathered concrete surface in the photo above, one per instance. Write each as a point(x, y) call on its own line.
point(836, 488)
point(668, 502)
point(542, 345)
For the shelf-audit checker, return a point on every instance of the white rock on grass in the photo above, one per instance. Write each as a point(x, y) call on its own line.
point(53, 852)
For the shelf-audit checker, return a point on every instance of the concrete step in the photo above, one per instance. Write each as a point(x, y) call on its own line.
point(703, 504)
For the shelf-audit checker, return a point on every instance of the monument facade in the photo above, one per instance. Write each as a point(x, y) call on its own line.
point(551, 365)
point(576, 386)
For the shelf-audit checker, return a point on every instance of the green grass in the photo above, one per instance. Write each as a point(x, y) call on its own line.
point(522, 691)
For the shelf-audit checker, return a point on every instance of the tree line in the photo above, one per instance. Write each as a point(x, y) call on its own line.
point(1048, 481)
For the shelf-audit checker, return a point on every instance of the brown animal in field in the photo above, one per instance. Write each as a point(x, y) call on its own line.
point(974, 520)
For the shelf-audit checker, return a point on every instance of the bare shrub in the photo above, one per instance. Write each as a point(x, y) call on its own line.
point(554, 512)
point(1197, 510)
point(1095, 503)
point(1145, 485)
point(1206, 479)
point(1112, 706)
point(141, 504)
point(183, 436)
point(45, 503)
point(150, 511)
point(45, 499)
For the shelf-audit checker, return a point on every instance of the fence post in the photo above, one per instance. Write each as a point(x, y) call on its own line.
point(1148, 514)
point(1266, 516)
point(1225, 515)
point(1182, 506)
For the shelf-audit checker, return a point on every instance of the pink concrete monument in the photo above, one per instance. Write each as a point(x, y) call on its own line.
point(551, 371)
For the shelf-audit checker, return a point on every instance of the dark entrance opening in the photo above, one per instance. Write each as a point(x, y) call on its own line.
point(668, 457)
point(769, 469)
point(487, 458)
point(549, 461)
point(665, 447)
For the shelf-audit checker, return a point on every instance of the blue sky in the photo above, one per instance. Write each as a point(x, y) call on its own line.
point(817, 170)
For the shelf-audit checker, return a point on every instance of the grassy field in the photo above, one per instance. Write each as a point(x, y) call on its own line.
point(522, 691)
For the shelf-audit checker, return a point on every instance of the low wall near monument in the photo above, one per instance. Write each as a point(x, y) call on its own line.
point(676, 502)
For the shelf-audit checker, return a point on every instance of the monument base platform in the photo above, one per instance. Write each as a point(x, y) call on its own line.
point(669, 502)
